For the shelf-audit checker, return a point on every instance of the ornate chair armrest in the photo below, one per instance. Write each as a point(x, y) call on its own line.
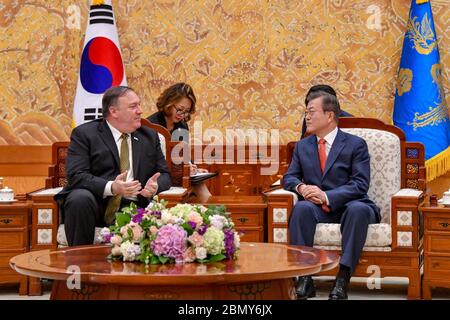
point(279, 206)
point(405, 219)
point(281, 193)
point(409, 193)
point(178, 191)
point(174, 195)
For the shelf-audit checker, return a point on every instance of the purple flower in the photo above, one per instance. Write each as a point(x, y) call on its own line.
point(137, 218)
point(156, 214)
point(192, 224)
point(171, 241)
point(229, 243)
point(108, 238)
point(201, 231)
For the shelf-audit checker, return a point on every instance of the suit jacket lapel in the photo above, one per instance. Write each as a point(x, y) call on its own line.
point(335, 150)
point(107, 137)
point(136, 140)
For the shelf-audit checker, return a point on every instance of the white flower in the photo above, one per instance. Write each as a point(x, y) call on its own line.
point(166, 217)
point(104, 233)
point(237, 240)
point(218, 221)
point(124, 247)
point(181, 210)
point(130, 251)
point(200, 253)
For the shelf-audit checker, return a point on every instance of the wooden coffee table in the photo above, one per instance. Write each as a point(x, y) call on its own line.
point(262, 271)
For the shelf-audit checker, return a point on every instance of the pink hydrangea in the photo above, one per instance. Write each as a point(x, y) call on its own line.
point(170, 242)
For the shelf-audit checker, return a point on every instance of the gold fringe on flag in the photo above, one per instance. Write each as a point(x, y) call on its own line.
point(438, 165)
point(421, 1)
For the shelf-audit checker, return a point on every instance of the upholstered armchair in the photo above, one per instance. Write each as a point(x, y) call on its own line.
point(394, 246)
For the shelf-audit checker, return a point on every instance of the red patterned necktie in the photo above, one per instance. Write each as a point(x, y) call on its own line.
point(323, 161)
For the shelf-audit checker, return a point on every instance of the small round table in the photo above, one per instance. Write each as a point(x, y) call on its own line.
point(262, 271)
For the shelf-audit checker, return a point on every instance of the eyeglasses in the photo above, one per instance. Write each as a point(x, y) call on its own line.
point(182, 112)
point(309, 112)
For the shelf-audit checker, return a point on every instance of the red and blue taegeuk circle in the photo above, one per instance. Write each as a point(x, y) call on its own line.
point(101, 65)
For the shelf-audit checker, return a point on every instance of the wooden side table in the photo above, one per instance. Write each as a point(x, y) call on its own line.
point(436, 248)
point(14, 230)
point(248, 214)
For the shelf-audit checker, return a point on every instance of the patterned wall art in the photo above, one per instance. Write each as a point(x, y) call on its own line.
point(250, 62)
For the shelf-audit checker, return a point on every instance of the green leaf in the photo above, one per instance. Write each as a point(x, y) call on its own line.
point(217, 257)
point(186, 226)
point(122, 219)
point(145, 224)
point(154, 260)
point(203, 260)
point(144, 244)
point(163, 259)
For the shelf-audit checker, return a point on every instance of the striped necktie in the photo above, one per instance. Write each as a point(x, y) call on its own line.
point(323, 161)
point(114, 202)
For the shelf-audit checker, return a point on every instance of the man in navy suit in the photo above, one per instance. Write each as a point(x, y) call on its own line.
point(110, 163)
point(330, 171)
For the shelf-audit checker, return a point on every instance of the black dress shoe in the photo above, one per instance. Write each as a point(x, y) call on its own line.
point(305, 288)
point(339, 291)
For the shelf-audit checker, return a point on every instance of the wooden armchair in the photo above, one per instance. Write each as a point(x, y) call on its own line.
point(394, 246)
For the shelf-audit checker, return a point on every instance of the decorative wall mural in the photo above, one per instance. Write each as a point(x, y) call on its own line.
point(250, 62)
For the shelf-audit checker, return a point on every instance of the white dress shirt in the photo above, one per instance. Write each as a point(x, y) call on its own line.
point(329, 139)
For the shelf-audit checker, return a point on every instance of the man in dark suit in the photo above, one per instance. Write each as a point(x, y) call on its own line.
point(330, 171)
point(110, 163)
point(325, 88)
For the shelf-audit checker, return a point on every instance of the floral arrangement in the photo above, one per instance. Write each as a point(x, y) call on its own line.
point(181, 234)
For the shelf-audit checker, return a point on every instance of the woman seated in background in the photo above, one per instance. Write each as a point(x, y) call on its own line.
point(175, 106)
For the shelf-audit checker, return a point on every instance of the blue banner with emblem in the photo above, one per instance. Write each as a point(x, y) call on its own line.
point(420, 107)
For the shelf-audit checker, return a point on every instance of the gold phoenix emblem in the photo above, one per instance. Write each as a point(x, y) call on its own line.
point(421, 34)
point(431, 118)
point(404, 80)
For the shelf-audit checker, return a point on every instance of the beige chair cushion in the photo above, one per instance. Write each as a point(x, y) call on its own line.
point(329, 234)
point(385, 167)
point(61, 238)
point(162, 140)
